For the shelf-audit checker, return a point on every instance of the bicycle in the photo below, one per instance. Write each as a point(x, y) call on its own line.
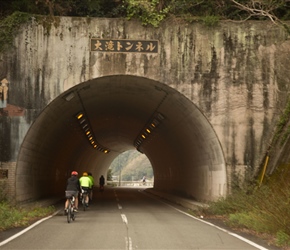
point(70, 195)
point(85, 196)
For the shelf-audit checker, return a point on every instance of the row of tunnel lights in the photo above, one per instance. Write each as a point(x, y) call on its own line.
point(148, 129)
point(153, 123)
point(88, 132)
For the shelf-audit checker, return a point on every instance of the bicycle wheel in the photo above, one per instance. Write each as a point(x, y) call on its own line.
point(72, 214)
point(69, 213)
point(84, 202)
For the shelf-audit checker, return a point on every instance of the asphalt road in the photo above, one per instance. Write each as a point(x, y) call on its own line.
point(127, 218)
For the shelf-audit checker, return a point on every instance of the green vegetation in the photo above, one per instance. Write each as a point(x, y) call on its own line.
point(263, 210)
point(12, 217)
point(282, 129)
point(153, 12)
point(131, 165)
point(9, 27)
point(150, 12)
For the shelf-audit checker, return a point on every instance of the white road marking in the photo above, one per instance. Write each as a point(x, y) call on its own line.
point(124, 218)
point(26, 229)
point(128, 243)
point(119, 206)
point(222, 229)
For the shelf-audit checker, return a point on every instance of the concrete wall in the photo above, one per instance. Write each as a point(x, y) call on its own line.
point(237, 74)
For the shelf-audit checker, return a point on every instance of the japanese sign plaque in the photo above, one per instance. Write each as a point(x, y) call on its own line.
point(124, 46)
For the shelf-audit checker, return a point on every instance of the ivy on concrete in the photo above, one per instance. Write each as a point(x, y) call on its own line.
point(9, 27)
point(149, 12)
point(283, 128)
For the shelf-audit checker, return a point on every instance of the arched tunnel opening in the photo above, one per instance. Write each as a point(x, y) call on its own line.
point(121, 113)
point(130, 169)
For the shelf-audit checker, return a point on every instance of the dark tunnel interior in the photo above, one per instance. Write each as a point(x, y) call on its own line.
point(89, 125)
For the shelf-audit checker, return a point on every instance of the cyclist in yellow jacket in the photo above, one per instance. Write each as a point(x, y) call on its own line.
point(86, 183)
point(91, 187)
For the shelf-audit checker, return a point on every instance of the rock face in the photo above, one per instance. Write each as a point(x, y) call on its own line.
point(237, 75)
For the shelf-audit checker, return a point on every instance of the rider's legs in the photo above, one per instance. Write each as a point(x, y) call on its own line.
point(91, 194)
point(66, 204)
point(77, 200)
point(86, 189)
point(68, 194)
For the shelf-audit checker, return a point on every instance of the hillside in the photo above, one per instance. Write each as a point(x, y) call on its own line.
point(132, 165)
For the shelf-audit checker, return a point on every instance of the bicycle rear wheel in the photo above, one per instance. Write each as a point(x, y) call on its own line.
point(84, 201)
point(68, 213)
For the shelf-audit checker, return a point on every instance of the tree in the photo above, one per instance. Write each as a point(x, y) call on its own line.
point(149, 12)
point(109, 175)
point(270, 9)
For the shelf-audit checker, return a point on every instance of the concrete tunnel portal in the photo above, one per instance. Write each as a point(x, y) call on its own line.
point(88, 126)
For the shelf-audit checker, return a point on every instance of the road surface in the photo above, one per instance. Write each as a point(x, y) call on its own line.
point(127, 218)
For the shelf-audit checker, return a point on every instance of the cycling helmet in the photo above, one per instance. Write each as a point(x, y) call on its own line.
point(74, 173)
point(85, 174)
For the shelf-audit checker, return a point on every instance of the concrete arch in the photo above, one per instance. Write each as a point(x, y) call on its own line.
point(184, 151)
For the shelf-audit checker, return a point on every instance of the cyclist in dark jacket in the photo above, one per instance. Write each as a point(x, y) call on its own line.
point(73, 184)
point(102, 183)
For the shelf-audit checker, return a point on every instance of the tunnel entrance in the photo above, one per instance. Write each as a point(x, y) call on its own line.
point(121, 113)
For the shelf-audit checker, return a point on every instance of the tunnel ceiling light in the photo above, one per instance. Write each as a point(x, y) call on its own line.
point(155, 121)
point(85, 126)
point(79, 115)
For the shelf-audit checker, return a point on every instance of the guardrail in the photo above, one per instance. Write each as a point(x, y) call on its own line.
point(130, 183)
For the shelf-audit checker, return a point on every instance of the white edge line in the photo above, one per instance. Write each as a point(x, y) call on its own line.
point(27, 229)
point(210, 224)
point(222, 229)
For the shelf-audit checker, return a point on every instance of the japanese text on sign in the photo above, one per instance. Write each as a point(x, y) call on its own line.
point(112, 45)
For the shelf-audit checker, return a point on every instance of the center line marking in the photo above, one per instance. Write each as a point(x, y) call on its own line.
point(124, 218)
point(128, 243)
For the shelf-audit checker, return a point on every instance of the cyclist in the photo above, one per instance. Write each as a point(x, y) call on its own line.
point(85, 183)
point(72, 184)
point(102, 183)
point(91, 187)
